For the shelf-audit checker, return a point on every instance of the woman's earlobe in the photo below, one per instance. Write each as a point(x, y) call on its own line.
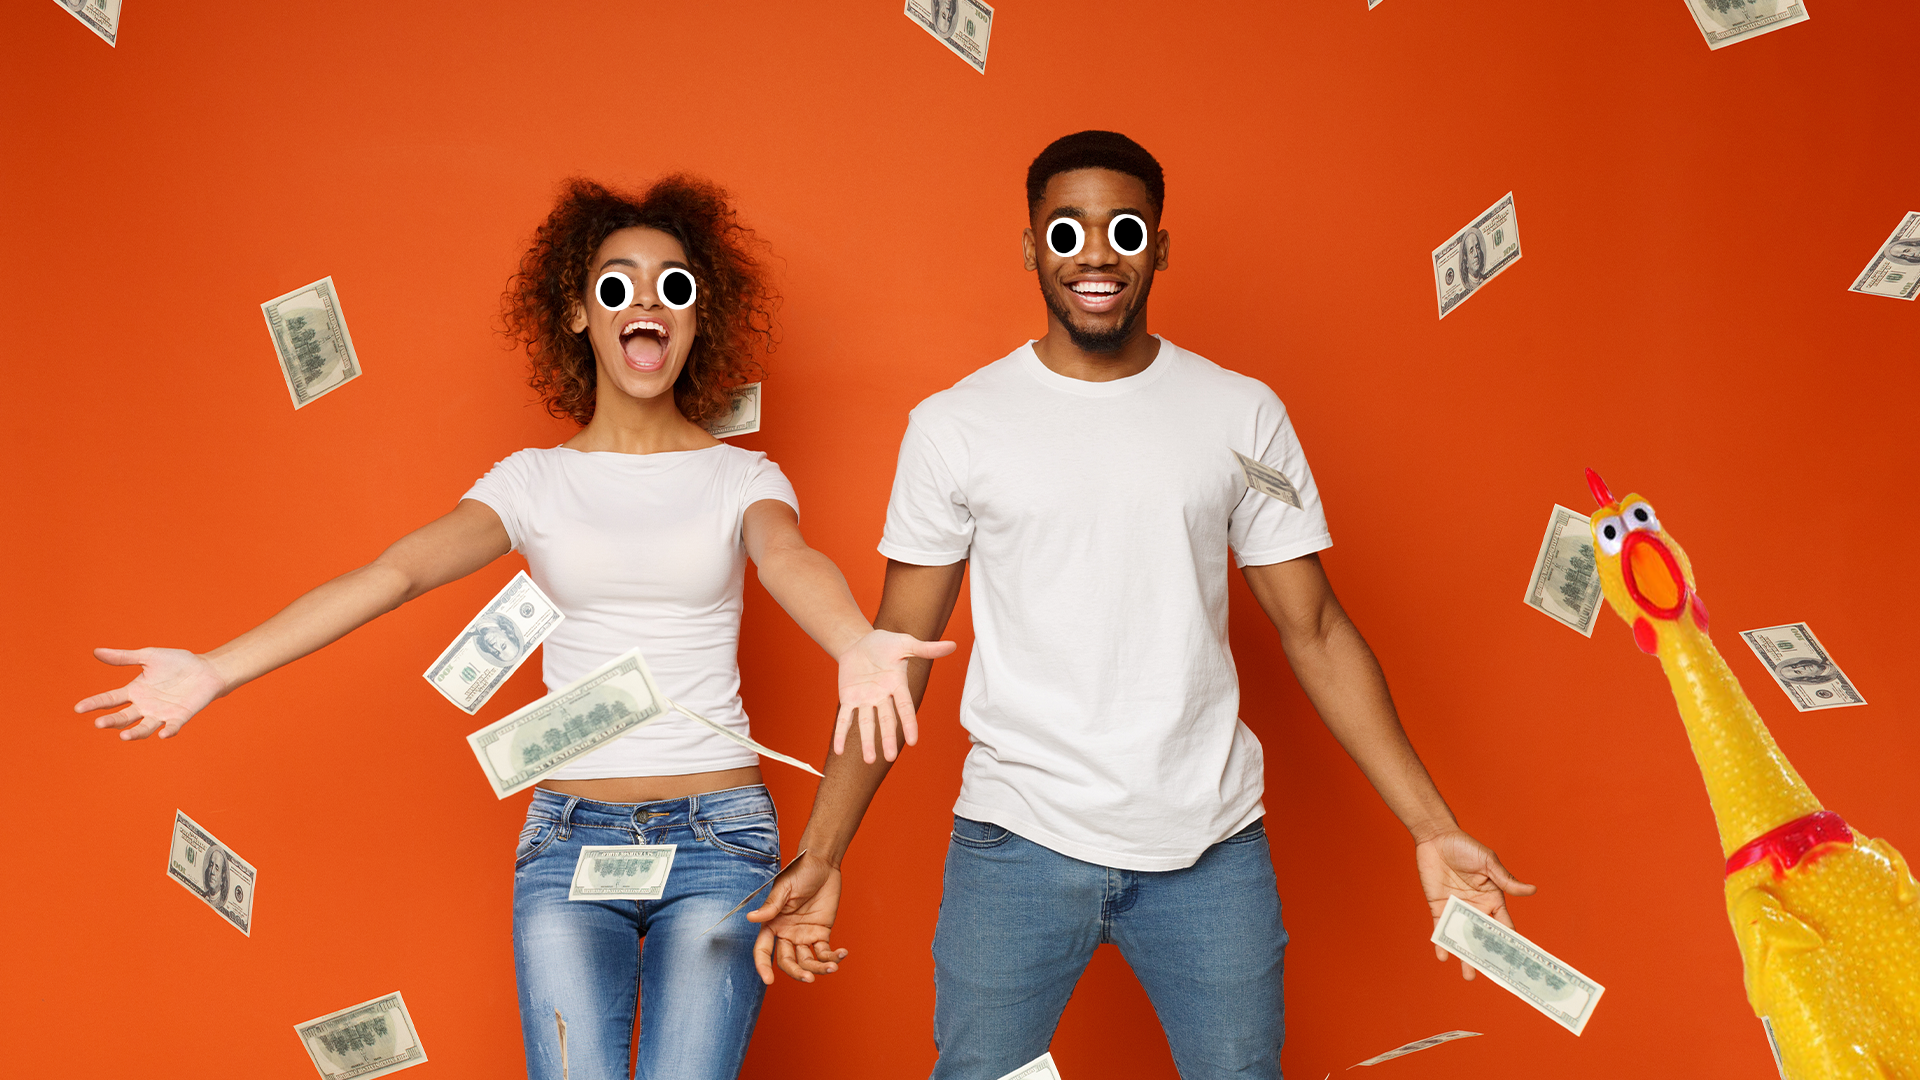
point(576, 319)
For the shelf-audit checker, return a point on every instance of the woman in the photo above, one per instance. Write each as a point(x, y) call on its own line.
point(640, 314)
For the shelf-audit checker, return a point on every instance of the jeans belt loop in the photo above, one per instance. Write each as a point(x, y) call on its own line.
point(566, 817)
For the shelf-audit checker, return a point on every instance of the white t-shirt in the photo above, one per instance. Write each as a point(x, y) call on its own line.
point(1101, 695)
point(642, 550)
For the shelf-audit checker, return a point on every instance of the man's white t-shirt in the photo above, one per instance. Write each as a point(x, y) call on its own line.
point(642, 550)
point(1096, 518)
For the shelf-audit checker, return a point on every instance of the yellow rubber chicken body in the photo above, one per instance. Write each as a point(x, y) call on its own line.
point(1826, 919)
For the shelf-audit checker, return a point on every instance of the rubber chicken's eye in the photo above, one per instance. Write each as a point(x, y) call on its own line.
point(1639, 518)
point(1610, 533)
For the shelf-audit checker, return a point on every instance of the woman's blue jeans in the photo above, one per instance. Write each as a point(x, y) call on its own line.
point(696, 992)
point(1019, 922)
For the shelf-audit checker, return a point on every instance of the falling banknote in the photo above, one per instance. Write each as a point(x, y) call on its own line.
point(494, 644)
point(1268, 480)
point(310, 334)
point(1518, 965)
point(743, 417)
point(1040, 1068)
point(621, 872)
point(100, 16)
point(211, 871)
point(1807, 675)
point(1564, 585)
point(1895, 269)
point(1476, 255)
point(370, 1039)
point(1729, 22)
point(961, 25)
point(1416, 1046)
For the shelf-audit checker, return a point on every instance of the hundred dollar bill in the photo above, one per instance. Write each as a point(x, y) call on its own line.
point(1728, 22)
point(1895, 269)
point(1773, 1044)
point(211, 871)
point(560, 1025)
point(1040, 1068)
point(310, 334)
point(100, 16)
point(1416, 1046)
point(1371, 4)
point(621, 872)
point(754, 893)
point(494, 644)
point(370, 1039)
point(1268, 480)
point(611, 700)
point(1476, 255)
point(744, 419)
point(1522, 968)
point(1803, 669)
point(749, 743)
point(961, 25)
point(1564, 584)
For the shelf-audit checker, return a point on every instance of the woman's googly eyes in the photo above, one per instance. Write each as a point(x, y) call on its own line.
point(675, 288)
point(1065, 237)
point(1609, 533)
point(1639, 518)
point(614, 290)
point(1128, 234)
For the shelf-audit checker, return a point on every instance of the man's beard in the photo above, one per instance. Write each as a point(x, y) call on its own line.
point(1098, 341)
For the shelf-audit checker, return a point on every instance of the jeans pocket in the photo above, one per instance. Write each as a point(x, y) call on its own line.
point(534, 839)
point(979, 835)
point(755, 836)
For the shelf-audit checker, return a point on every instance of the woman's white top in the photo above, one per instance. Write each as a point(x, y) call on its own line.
point(646, 551)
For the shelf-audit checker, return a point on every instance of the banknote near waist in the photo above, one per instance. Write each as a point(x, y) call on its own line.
point(1565, 585)
point(1895, 269)
point(1524, 969)
point(621, 872)
point(734, 736)
point(743, 417)
point(605, 703)
point(310, 336)
point(1416, 1046)
point(1040, 1068)
point(1268, 480)
point(1476, 255)
point(1802, 668)
point(100, 16)
point(494, 644)
point(363, 1041)
point(1725, 23)
point(961, 25)
point(211, 871)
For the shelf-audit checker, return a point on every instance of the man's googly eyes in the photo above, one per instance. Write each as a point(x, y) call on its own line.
point(614, 290)
point(1639, 518)
point(1065, 237)
point(1128, 234)
point(675, 288)
point(1609, 533)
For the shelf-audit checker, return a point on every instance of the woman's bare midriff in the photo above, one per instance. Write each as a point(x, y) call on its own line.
point(636, 789)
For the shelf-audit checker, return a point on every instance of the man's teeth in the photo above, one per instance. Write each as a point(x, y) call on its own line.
point(1095, 288)
point(639, 325)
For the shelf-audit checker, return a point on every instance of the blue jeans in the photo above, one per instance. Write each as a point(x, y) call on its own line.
point(698, 995)
point(1018, 923)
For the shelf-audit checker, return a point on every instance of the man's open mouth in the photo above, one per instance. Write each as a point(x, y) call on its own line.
point(1097, 295)
point(644, 343)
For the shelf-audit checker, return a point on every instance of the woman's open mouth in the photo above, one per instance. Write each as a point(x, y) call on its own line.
point(644, 343)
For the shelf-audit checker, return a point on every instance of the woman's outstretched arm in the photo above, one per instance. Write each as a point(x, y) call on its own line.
point(174, 684)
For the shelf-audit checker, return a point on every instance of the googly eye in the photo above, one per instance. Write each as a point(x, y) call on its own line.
point(1610, 533)
point(614, 290)
point(1639, 518)
point(675, 288)
point(1065, 237)
point(1128, 234)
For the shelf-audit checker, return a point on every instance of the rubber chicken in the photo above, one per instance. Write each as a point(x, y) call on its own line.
point(1826, 919)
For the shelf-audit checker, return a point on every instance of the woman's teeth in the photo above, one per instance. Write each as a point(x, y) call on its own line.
point(643, 325)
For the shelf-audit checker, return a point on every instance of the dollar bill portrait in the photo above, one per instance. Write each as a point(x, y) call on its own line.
point(214, 876)
point(499, 640)
point(1806, 670)
point(945, 14)
point(1905, 252)
point(1472, 267)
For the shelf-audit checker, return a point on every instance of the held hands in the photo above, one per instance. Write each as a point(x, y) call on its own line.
point(798, 917)
point(173, 684)
point(873, 690)
point(1454, 864)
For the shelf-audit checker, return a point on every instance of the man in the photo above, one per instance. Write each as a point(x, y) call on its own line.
point(1112, 793)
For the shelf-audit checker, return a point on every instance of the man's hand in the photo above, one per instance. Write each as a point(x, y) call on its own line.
point(798, 918)
point(873, 690)
point(1455, 864)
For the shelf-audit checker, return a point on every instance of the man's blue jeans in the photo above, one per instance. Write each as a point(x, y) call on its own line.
point(697, 992)
point(1019, 922)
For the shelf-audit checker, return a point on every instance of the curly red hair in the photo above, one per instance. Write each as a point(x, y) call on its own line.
point(734, 308)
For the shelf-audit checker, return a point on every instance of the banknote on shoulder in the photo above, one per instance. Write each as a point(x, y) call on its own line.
point(1040, 1068)
point(1416, 1046)
point(621, 872)
point(373, 1038)
point(1476, 255)
point(743, 416)
point(1895, 269)
point(494, 644)
point(1729, 22)
point(963, 26)
point(211, 871)
point(1520, 967)
point(1268, 480)
point(310, 336)
point(1802, 668)
point(1565, 586)
point(100, 16)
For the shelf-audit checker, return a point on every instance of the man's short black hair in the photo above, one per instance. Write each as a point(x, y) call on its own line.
point(1096, 150)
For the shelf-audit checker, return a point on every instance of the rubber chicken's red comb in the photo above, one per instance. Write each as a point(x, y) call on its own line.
point(1599, 488)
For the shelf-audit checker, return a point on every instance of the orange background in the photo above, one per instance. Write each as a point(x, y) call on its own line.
point(1680, 321)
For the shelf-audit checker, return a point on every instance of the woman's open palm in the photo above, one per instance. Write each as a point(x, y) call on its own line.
point(874, 692)
point(173, 684)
